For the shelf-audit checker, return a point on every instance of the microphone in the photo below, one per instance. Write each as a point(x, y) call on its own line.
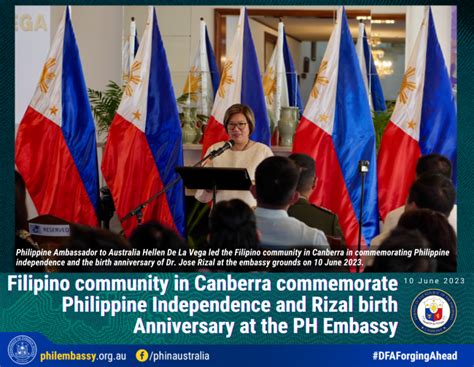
point(217, 152)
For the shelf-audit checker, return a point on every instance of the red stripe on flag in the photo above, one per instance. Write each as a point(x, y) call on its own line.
point(396, 163)
point(214, 133)
point(331, 191)
point(51, 176)
point(132, 176)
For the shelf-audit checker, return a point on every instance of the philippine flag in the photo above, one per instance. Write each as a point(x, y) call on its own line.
point(129, 49)
point(144, 144)
point(203, 78)
point(423, 122)
point(56, 147)
point(240, 83)
point(369, 72)
point(336, 130)
point(280, 81)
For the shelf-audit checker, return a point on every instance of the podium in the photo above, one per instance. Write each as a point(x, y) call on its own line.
point(214, 178)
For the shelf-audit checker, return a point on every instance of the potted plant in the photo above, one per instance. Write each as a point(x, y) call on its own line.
point(105, 104)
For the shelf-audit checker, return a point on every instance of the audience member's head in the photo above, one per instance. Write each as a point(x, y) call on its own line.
point(434, 163)
point(437, 230)
point(405, 241)
point(307, 168)
point(232, 224)
point(21, 213)
point(276, 179)
point(432, 191)
point(84, 238)
point(153, 235)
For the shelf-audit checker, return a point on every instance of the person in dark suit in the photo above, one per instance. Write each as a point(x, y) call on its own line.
point(313, 215)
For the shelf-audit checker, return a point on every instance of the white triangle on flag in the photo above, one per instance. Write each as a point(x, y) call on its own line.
point(133, 106)
point(47, 99)
point(322, 100)
point(230, 86)
point(407, 112)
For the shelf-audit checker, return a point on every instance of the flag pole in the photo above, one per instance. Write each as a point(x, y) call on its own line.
point(133, 29)
point(363, 170)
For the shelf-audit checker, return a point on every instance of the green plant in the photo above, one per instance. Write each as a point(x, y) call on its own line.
point(381, 120)
point(185, 98)
point(196, 223)
point(105, 104)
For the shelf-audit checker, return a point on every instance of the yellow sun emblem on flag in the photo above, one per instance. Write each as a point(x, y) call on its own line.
point(226, 78)
point(320, 80)
point(269, 85)
point(47, 75)
point(193, 84)
point(407, 85)
point(132, 78)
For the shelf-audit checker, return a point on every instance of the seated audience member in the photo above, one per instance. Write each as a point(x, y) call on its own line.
point(85, 238)
point(23, 240)
point(314, 216)
point(439, 233)
point(232, 226)
point(275, 190)
point(406, 242)
point(427, 164)
point(432, 191)
point(153, 235)
point(429, 191)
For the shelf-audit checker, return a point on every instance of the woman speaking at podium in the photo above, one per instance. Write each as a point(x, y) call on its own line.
point(239, 122)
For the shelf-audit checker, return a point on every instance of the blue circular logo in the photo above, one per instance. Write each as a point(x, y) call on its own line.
point(22, 349)
point(433, 311)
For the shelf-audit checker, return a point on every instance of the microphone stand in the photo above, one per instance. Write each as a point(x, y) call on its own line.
point(363, 169)
point(138, 211)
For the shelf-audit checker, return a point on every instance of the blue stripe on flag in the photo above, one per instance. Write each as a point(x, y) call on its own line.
point(438, 130)
point(211, 59)
point(163, 128)
point(378, 99)
point(353, 135)
point(294, 96)
point(77, 123)
point(136, 45)
point(252, 89)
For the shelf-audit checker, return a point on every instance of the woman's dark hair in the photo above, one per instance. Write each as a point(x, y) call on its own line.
point(433, 191)
point(84, 238)
point(406, 242)
point(232, 225)
point(153, 235)
point(436, 229)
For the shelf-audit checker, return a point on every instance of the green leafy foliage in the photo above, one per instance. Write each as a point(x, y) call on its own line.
point(185, 98)
point(105, 104)
point(380, 120)
point(197, 222)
